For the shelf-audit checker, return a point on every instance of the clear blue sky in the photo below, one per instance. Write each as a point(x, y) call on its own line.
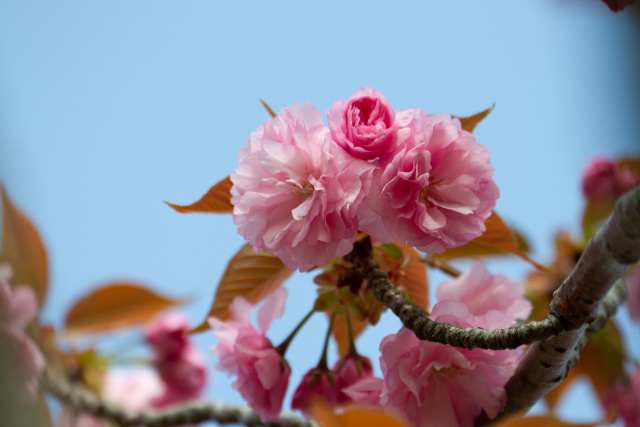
point(109, 108)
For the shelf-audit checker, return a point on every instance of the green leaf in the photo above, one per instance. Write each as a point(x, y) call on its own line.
point(392, 250)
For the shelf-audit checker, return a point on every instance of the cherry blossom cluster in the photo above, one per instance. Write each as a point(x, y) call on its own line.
point(303, 190)
point(426, 383)
point(436, 384)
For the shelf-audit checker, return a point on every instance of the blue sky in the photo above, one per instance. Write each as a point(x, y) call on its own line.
point(109, 108)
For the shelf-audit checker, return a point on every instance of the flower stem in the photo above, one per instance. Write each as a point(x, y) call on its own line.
point(282, 348)
point(352, 345)
point(322, 364)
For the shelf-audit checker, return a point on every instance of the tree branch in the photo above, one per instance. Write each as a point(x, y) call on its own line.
point(576, 303)
point(82, 400)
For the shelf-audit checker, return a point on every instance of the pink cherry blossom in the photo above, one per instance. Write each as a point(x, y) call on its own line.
point(443, 385)
point(599, 179)
point(69, 419)
point(165, 334)
point(184, 377)
point(17, 308)
point(364, 125)
point(482, 292)
point(316, 383)
point(435, 384)
point(132, 388)
point(263, 374)
point(366, 391)
point(632, 282)
point(349, 370)
point(625, 396)
point(436, 189)
point(605, 179)
point(295, 193)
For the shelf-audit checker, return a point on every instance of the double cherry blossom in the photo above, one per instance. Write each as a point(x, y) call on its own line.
point(303, 190)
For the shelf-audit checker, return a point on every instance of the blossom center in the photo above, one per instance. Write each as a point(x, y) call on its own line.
point(425, 193)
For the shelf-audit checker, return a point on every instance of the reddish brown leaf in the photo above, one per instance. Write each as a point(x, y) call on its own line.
point(470, 123)
point(217, 200)
point(341, 333)
point(498, 239)
point(113, 306)
point(415, 281)
point(269, 110)
point(23, 249)
point(353, 416)
point(250, 275)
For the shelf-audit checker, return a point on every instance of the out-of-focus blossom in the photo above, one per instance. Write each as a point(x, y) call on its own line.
point(482, 292)
point(436, 190)
point(618, 5)
point(263, 374)
point(632, 282)
point(165, 334)
point(69, 419)
point(184, 377)
point(295, 193)
point(626, 398)
point(436, 384)
point(17, 308)
point(603, 179)
point(350, 370)
point(317, 383)
point(599, 179)
point(365, 125)
point(132, 388)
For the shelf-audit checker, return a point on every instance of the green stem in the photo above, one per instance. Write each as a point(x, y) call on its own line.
point(352, 345)
point(282, 348)
point(322, 364)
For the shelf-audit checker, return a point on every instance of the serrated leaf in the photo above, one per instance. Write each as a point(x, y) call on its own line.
point(341, 333)
point(353, 416)
point(269, 110)
point(216, 200)
point(470, 123)
point(113, 306)
point(250, 275)
point(23, 250)
point(498, 239)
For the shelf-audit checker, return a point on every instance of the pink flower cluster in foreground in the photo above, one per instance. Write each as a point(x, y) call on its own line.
point(302, 190)
point(18, 307)
point(330, 385)
point(440, 385)
point(243, 351)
